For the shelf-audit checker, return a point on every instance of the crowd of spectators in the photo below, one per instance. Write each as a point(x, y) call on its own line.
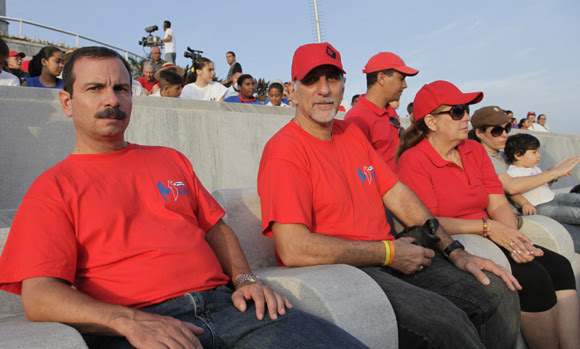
point(198, 83)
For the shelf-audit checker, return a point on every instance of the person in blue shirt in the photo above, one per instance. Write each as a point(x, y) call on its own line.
point(246, 86)
point(45, 67)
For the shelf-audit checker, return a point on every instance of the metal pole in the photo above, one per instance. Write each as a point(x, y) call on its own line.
point(317, 20)
point(77, 40)
point(20, 33)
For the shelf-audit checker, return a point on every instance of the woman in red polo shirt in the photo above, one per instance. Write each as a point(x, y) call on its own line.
point(455, 179)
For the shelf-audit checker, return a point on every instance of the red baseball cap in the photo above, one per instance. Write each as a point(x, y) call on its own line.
point(388, 60)
point(531, 113)
point(310, 56)
point(438, 93)
point(14, 54)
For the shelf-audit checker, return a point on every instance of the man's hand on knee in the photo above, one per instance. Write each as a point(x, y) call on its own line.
point(263, 296)
point(410, 258)
point(146, 330)
point(474, 265)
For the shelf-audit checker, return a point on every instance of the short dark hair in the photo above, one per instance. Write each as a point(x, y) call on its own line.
point(509, 112)
point(169, 78)
point(372, 77)
point(353, 98)
point(519, 144)
point(232, 52)
point(410, 108)
point(4, 50)
point(166, 24)
point(244, 77)
point(277, 86)
point(93, 52)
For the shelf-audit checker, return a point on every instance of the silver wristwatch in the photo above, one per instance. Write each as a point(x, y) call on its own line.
point(247, 277)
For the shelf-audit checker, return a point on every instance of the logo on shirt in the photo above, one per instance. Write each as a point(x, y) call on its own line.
point(174, 189)
point(367, 174)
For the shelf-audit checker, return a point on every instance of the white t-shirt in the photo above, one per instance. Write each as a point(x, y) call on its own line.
point(538, 195)
point(169, 45)
point(539, 128)
point(281, 104)
point(156, 94)
point(7, 79)
point(214, 91)
point(138, 89)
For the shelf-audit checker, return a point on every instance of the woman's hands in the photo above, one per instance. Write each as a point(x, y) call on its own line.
point(521, 247)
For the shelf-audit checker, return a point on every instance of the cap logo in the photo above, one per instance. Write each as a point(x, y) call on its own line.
point(496, 109)
point(330, 52)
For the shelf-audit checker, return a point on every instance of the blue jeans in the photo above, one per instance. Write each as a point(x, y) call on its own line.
point(565, 208)
point(444, 307)
point(226, 327)
point(170, 57)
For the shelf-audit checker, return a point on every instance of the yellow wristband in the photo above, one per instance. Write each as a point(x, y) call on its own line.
point(392, 245)
point(388, 253)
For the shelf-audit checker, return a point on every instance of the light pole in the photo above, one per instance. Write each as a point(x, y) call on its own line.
point(317, 20)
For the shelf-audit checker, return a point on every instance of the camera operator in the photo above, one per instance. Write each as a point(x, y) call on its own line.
point(169, 40)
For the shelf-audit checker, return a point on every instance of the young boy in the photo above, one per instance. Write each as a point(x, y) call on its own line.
point(275, 93)
point(169, 84)
point(523, 152)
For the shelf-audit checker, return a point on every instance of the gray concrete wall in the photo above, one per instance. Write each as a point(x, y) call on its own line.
point(29, 48)
point(223, 141)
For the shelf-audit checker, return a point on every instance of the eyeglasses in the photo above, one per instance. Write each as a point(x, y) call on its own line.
point(457, 112)
point(498, 130)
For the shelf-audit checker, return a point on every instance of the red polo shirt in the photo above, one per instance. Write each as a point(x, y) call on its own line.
point(374, 122)
point(445, 188)
point(148, 85)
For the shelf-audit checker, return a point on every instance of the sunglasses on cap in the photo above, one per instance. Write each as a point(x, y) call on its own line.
point(498, 130)
point(457, 112)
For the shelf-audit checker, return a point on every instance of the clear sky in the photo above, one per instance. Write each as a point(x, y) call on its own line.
point(522, 54)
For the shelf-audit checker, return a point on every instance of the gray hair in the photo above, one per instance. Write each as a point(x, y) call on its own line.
point(149, 64)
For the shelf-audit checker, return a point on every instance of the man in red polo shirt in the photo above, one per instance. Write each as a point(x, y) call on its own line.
point(386, 74)
point(148, 80)
point(323, 189)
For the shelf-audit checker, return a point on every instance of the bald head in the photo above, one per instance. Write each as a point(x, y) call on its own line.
point(155, 54)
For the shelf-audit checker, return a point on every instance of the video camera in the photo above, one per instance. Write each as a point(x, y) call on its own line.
point(150, 40)
point(193, 54)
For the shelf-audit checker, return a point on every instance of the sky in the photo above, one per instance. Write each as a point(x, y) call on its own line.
point(521, 54)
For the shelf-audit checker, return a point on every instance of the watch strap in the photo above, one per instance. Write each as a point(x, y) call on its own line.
point(452, 247)
point(247, 277)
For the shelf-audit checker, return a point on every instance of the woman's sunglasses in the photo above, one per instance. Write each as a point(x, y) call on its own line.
point(457, 112)
point(498, 130)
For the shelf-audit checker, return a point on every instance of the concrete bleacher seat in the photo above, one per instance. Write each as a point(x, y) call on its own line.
point(17, 332)
point(338, 293)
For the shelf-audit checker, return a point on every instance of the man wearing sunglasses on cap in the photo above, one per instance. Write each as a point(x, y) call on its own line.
point(386, 73)
point(491, 126)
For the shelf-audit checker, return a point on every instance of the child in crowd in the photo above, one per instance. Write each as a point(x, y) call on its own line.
point(169, 84)
point(275, 93)
point(523, 152)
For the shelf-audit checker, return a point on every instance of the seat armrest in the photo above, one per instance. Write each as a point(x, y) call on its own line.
point(546, 232)
point(17, 332)
point(482, 247)
point(341, 294)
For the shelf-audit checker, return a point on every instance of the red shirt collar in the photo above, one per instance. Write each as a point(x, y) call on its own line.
point(380, 112)
point(434, 156)
point(245, 100)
